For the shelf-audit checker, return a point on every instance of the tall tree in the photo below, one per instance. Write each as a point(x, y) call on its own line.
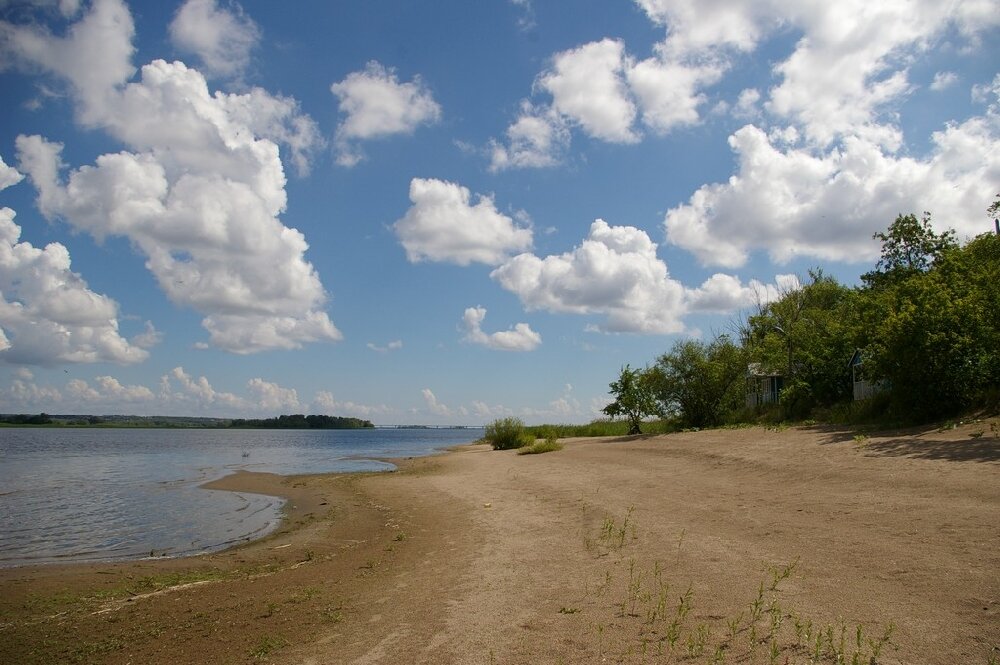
point(633, 398)
point(909, 246)
point(700, 382)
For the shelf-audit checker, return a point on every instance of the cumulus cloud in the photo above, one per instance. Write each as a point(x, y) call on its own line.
point(271, 397)
point(519, 338)
point(433, 405)
point(48, 315)
point(325, 403)
point(201, 200)
point(723, 294)
point(9, 176)
point(94, 56)
point(108, 390)
point(24, 395)
point(601, 89)
point(587, 85)
point(221, 38)
point(196, 393)
point(443, 225)
point(538, 138)
point(614, 272)
point(378, 105)
point(791, 201)
point(200, 191)
point(943, 81)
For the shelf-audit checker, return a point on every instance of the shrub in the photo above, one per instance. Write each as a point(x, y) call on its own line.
point(507, 433)
point(547, 446)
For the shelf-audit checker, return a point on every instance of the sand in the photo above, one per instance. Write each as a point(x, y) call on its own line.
point(577, 556)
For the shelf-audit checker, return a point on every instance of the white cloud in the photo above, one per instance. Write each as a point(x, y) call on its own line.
point(615, 273)
point(201, 200)
point(222, 38)
point(588, 86)
point(527, 19)
point(984, 93)
point(724, 294)
point(943, 81)
point(270, 397)
point(325, 403)
point(197, 394)
point(395, 345)
point(433, 405)
point(25, 395)
point(9, 176)
point(746, 103)
point(109, 391)
point(48, 315)
point(537, 139)
point(95, 55)
point(149, 337)
point(378, 105)
point(669, 91)
point(795, 202)
point(519, 338)
point(442, 225)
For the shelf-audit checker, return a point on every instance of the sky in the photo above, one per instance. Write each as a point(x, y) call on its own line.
point(450, 212)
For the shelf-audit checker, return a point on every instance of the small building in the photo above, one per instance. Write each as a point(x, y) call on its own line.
point(864, 386)
point(763, 385)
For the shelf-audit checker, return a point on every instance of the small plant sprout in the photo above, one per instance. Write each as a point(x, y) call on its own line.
point(733, 625)
point(779, 575)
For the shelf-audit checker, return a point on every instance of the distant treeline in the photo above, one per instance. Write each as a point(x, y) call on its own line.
point(299, 421)
point(26, 419)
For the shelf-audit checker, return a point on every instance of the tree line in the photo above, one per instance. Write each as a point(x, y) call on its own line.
point(922, 329)
point(299, 421)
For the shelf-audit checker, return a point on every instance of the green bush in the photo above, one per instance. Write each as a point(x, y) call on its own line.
point(507, 434)
point(547, 446)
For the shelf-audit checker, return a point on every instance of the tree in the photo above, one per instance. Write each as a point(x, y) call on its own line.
point(633, 398)
point(909, 247)
point(807, 335)
point(935, 335)
point(700, 382)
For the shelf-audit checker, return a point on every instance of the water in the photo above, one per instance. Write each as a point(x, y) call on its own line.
point(102, 494)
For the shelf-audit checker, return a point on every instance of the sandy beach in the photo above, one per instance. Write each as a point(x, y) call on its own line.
point(736, 546)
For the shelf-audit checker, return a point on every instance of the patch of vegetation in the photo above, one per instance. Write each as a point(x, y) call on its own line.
point(507, 434)
point(267, 645)
point(547, 446)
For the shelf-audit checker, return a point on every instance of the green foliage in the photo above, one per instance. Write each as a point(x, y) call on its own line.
point(299, 421)
point(935, 335)
point(700, 382)
point(926, 320)
point(547, 446)
point(507, 434)
point(807, 336)
point(909, 247)
point(634, 398)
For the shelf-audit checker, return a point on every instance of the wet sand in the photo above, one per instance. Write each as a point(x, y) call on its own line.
point(578, 556)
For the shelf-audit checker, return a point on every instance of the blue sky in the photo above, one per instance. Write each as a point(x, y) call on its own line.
point(453, 211)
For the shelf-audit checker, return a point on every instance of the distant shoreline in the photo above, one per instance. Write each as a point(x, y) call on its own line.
point(8, 420)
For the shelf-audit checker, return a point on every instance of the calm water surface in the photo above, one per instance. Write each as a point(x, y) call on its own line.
point(99, 494)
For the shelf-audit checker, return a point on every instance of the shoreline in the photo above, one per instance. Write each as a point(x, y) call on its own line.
point(476, 554)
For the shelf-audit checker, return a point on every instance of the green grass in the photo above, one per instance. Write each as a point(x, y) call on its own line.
point(547, 446)
point(266, 645)
point(602, 427)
